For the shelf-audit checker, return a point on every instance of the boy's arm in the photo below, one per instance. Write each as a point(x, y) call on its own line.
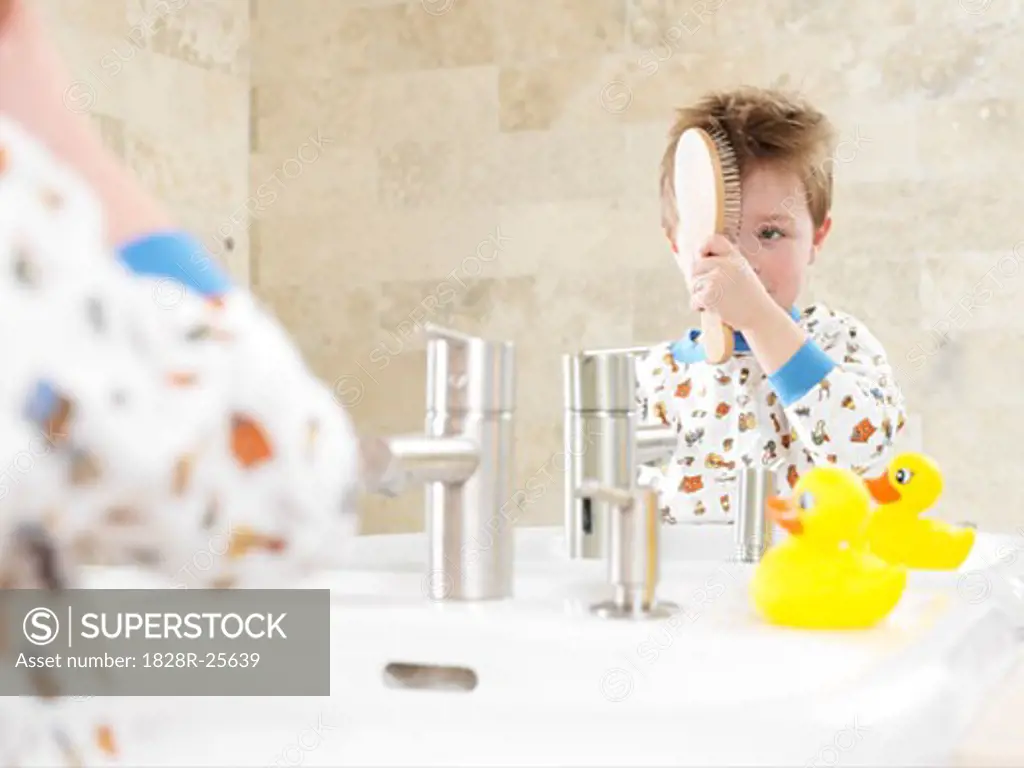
point(840, 394)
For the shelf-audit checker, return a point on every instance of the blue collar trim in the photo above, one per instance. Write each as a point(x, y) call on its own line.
point(689, 350)
point(178, 257)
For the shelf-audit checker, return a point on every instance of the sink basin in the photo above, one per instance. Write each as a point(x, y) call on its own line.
point(394, 564)
point(994, 569)
point(540, 680)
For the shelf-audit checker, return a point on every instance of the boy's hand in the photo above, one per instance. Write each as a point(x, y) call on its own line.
point(725, 283)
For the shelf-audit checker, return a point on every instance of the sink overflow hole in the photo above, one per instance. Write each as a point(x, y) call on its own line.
point(429, 677)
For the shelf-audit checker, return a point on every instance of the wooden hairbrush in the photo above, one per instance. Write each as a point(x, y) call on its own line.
point(708, 201)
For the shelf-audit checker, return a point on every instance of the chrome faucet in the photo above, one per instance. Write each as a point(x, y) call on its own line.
point(603, 442)
point(465, 458)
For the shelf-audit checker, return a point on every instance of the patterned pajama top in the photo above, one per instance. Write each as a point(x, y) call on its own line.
point(834, 402)
point(149, 413)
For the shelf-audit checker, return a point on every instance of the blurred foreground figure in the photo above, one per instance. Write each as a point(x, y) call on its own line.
point(150, 411)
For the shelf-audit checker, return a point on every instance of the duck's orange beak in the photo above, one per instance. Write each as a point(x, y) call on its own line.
point(785, 514)
point(882, 490)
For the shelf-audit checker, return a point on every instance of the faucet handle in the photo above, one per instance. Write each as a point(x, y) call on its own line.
point(433, 332)
point(600, 382)
point(468, 374)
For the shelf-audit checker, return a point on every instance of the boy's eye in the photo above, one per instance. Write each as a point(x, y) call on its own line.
point(770, 233)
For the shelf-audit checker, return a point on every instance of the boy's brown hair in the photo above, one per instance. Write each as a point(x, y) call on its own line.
point(762, 125)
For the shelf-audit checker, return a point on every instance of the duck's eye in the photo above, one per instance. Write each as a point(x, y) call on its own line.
point(903, 476)
point(806, 501)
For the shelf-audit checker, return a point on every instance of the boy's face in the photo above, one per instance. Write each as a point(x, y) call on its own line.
point(777, 234)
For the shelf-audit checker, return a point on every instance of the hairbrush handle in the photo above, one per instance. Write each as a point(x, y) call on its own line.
point(708, 197)
point(716, 337)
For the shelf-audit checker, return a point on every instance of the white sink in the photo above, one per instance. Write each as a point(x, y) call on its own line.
point(539, 680)
point(550, 684)
point(994, 569)
point(395, 563)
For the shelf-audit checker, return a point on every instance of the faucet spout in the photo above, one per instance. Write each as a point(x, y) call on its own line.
point(401, 462)
point(655, 442)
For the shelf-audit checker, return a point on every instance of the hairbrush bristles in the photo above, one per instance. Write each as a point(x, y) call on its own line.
point(732, 204)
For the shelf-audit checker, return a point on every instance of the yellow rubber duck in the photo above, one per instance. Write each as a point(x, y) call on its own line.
point(823, 576)
point(910, 486)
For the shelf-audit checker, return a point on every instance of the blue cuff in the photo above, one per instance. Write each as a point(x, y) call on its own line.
point(42, 402)
point(179, 257)
point(802, 372)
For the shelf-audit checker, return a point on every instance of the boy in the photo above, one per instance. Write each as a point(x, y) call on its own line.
point(804, 387)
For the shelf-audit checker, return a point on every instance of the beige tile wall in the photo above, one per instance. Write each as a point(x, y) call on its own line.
point(491, 164)
point(168, 83)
